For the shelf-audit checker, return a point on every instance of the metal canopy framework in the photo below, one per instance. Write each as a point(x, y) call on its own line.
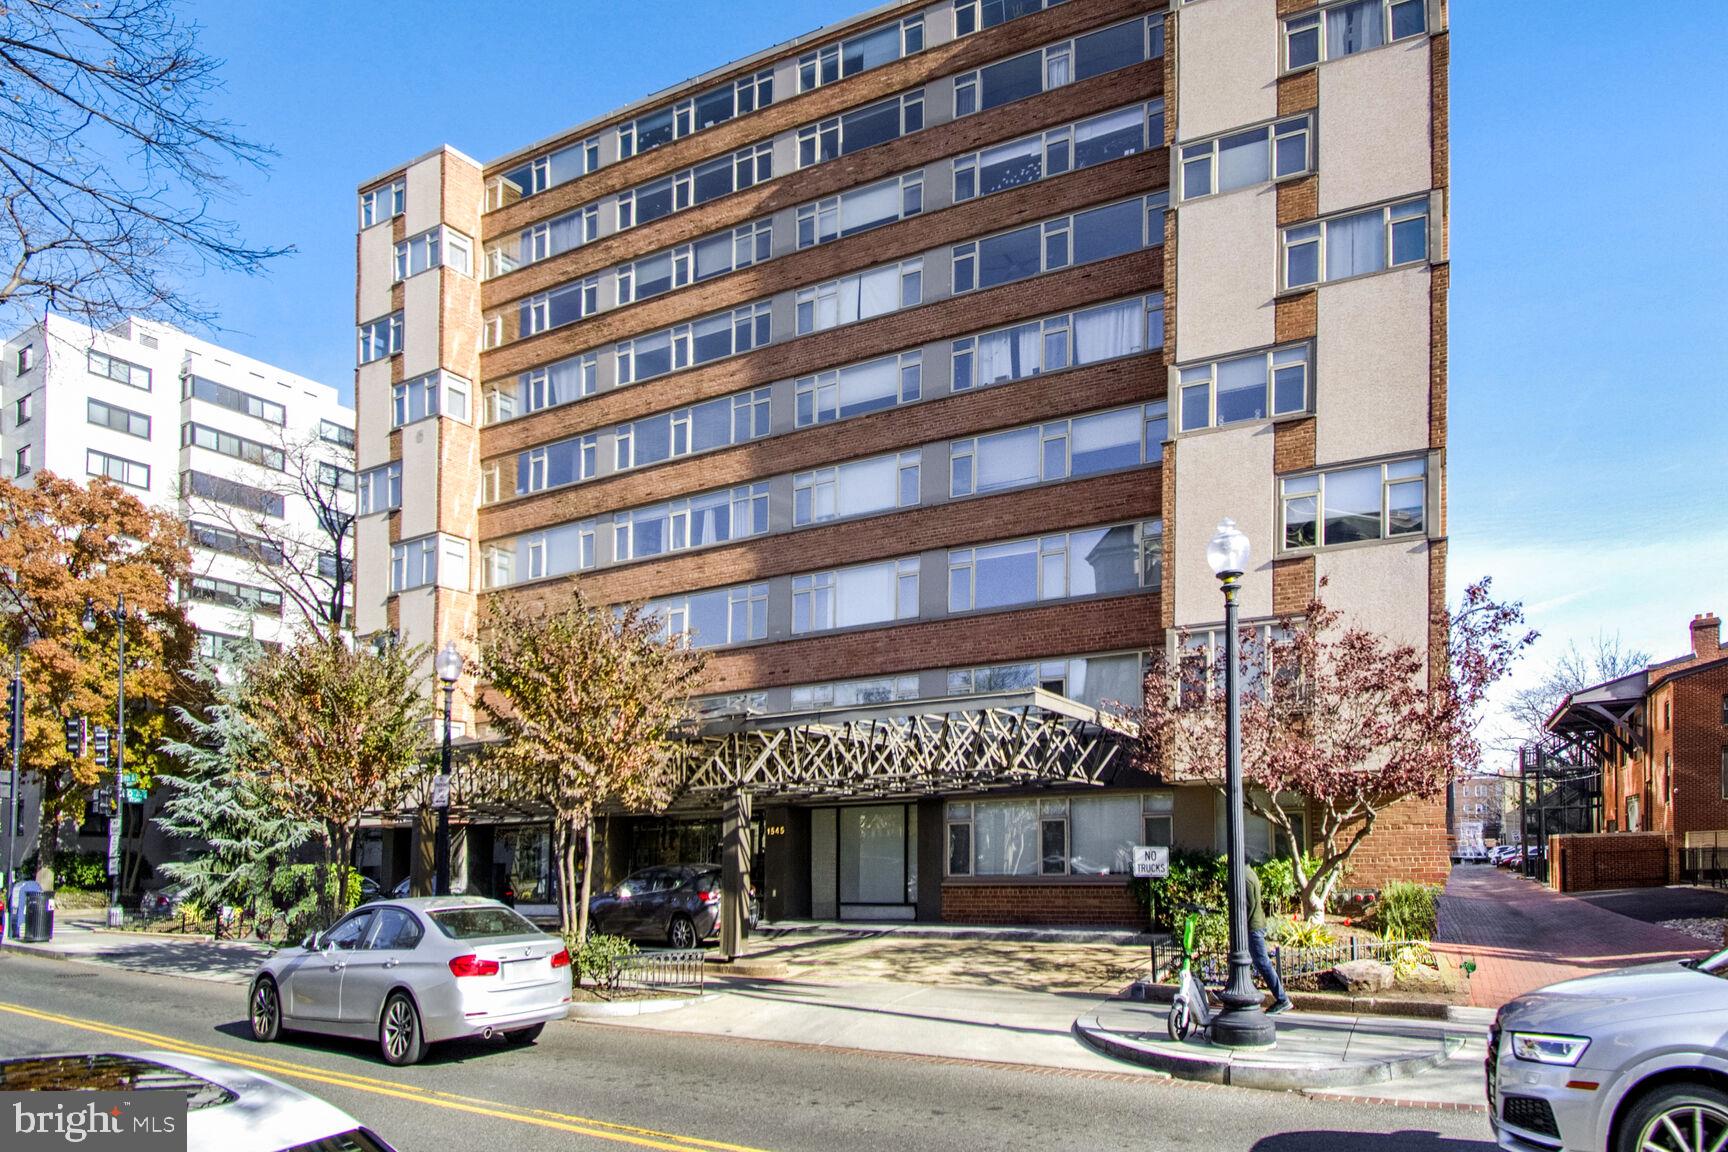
point(1019, 739)
point(1601, 711)
point(962, 743)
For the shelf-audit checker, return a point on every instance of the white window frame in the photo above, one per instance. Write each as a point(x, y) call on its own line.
point(1057, 347)
point(812, 139)
point(1409, 472)
point(823, 393)
point(392, 196)
point(1057, 150)
point(743, 498)
point(1313, 22)
point(812, 304)
point(1313, 235)
point(818, 594)
point(1055, 243)
point(1052, 557)
point(1284, 357)
point(1057, 66)
point(132, 473)
point(968, 14)
point(822, 488)
point(111, 365)
point(1201, 156)
point(822, 218)
point(380, 488)
point(814, 67)
point(1055, 447)
point(381, 338)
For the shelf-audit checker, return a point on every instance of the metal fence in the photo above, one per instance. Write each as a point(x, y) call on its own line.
point(1288, 962)
point(669, 968)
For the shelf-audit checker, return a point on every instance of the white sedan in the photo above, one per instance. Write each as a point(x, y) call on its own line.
point(410, 973)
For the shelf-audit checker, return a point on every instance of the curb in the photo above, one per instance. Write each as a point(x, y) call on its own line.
point(602, 1010)
point(1089, 1030)
point(64, 957)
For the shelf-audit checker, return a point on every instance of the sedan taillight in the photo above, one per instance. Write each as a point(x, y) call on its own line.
point(561, 958)
point(472, 965)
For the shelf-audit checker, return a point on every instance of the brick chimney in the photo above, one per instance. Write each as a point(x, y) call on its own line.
point(1706, 637)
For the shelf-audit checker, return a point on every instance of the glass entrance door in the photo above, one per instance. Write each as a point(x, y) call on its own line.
point(864, 862)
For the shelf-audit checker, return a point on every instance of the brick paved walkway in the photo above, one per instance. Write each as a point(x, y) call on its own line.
point(1523, 936)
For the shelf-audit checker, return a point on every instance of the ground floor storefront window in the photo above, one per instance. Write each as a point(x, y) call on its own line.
point(1055, 836)
point(864, 862)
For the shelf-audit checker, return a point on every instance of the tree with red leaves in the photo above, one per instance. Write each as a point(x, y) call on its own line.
point(1337, 714)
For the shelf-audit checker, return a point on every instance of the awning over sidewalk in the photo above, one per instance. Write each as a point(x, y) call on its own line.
point(1601, 710)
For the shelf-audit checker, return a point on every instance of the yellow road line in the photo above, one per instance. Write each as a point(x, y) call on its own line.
point(558, 1121)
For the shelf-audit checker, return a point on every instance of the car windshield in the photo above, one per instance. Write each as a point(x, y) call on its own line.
point(107, 1072)
point(359, 1140)
point(1716, 965)
point(474, 923)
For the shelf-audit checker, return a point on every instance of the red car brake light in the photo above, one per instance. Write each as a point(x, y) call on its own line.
point(561, 958)
point(472, 965)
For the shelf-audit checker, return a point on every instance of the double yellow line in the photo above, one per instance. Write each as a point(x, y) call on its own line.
point(534, 1117)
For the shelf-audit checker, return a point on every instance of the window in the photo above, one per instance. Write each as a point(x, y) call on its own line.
point(117, 418)
point(380, 338)
point(543, 311)
point(710, 338)
point(121, 371)
point(861, 128)
point(851, 597)
point(1157, 821)
point(1256, 387)
point(691, 522)
point(1355, 26)
point(1096, 681)
point(1073, 339)
point(1351, 504)
point(221, 395)
point(544, 387)
point(876, 292)
point(383, 203)
point(26, 358)
point(222, 490)
point(707, 181)
point(1724, 772)
point(861, 209)
point(538, 555)
point(1042, 69)
point(228, 444)
point(711, 619)
point(1667, 715)
point(1091, 562)
point(231, 543)
point(843, 393)
point(1357, 244)
point(1085, 237)
point(434, 248)
point(21, 460)
point(971, 15)
point(338, 434)
point(1243, 159)
point(860, 488)
point(873, 49)
point(853, 693)
point(1725, 709)
point(543, 172)
point(1101, 442)
point(266, 601)
point(699, 428)
point(710, 256)
point(333, 476)
point(555, 465)
point(1055, 836)
point(416, 563)
point(381, 488)
point(116, 468)
point(23, 409)
point(1125, 132)
point(544, 240)
point(419, 398)
point(675, 121)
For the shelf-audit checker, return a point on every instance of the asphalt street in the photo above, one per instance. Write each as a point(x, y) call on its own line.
point(590, 1086)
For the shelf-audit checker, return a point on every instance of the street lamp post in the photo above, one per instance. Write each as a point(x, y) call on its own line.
point(1241, 1024)
point(15, 715)
point(449, 665)
point(118, 744)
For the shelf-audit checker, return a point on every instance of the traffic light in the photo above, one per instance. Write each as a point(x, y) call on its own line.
point(99, 745)
point(102, 802)
point(75, 736)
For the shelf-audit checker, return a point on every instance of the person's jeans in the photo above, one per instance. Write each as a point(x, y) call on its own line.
point(1263, 965)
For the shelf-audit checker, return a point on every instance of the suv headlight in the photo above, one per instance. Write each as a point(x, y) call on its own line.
point(1543, 1048)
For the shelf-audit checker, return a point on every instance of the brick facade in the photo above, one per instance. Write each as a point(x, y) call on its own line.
point(1586, 863)
point(1079, 903)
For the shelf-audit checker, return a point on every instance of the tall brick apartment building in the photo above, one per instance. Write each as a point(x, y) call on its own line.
point(917, 359)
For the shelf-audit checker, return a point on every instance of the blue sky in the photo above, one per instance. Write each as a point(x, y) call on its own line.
point(1589, 387)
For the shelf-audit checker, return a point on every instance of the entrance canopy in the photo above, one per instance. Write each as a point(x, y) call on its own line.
point(949, 744)
point(1601, 711)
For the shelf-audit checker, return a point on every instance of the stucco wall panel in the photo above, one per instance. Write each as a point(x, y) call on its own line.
point(1227, 63)
point(420, 461)
point(1382, 587)
point(1371, 366)
point(1227, 267)
point(1219, 474)
point(1375, 126)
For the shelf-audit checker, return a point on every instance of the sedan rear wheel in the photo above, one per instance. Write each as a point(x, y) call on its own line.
point(1676, 1118)
point(681, 933)
point(266, 1010)
point(399, 1034)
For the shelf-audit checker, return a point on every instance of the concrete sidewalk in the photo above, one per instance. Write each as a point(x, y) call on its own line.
point(194, 958)
point(1523, 936)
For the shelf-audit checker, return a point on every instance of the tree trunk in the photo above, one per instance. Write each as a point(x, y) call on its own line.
point(325, 881)
point(564, 851)
point(587, 879)
point(47, 840)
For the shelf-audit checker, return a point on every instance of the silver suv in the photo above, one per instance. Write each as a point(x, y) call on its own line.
point(1628, 1061)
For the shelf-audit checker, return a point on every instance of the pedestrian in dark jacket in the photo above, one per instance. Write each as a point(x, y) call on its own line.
point(1257, 946)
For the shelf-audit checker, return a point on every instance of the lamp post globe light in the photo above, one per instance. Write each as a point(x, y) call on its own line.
point(1241, 1024)
point(449, 667)
point(119, 748)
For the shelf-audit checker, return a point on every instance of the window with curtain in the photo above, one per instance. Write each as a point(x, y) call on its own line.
point(1005, 838)
point(1102, 833)
point(1356, 244)
point(1355, 27)
point(1110, 331)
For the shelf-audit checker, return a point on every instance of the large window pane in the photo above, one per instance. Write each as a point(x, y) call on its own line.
point(1243, 159)
point(1356, 244)
point(1354, 27)
point(1014, 256)
point(870, 126)
point(1006, 838)
point(1102, 832)
point(868, 207)
point(1008, 355)
point(1353, 505)
point(1242, 389)
point(1006, 574)
point(1010, 165)
point(1111, 331)
point(1108, 137)
point(1103, 560)
point(1012, 79)
point(871, 50)
point(1105, 441)
point(1110, 49)
point(867, 486)
point(1106, 232)
point(1007, 459)
point(864, 595)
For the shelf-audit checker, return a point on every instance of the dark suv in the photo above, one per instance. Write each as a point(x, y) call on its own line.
point(677, 903)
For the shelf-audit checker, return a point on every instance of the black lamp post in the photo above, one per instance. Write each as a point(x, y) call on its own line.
point(1241, 1024)
point(15, 714)
point(119, 746)
point(449, 665)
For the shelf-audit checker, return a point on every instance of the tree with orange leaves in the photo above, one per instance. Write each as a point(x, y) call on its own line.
point(63, 545)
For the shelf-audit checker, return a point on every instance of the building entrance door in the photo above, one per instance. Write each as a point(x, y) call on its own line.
point(864, 862)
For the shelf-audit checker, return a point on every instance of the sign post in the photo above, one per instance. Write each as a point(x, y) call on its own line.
point(1151, 862)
